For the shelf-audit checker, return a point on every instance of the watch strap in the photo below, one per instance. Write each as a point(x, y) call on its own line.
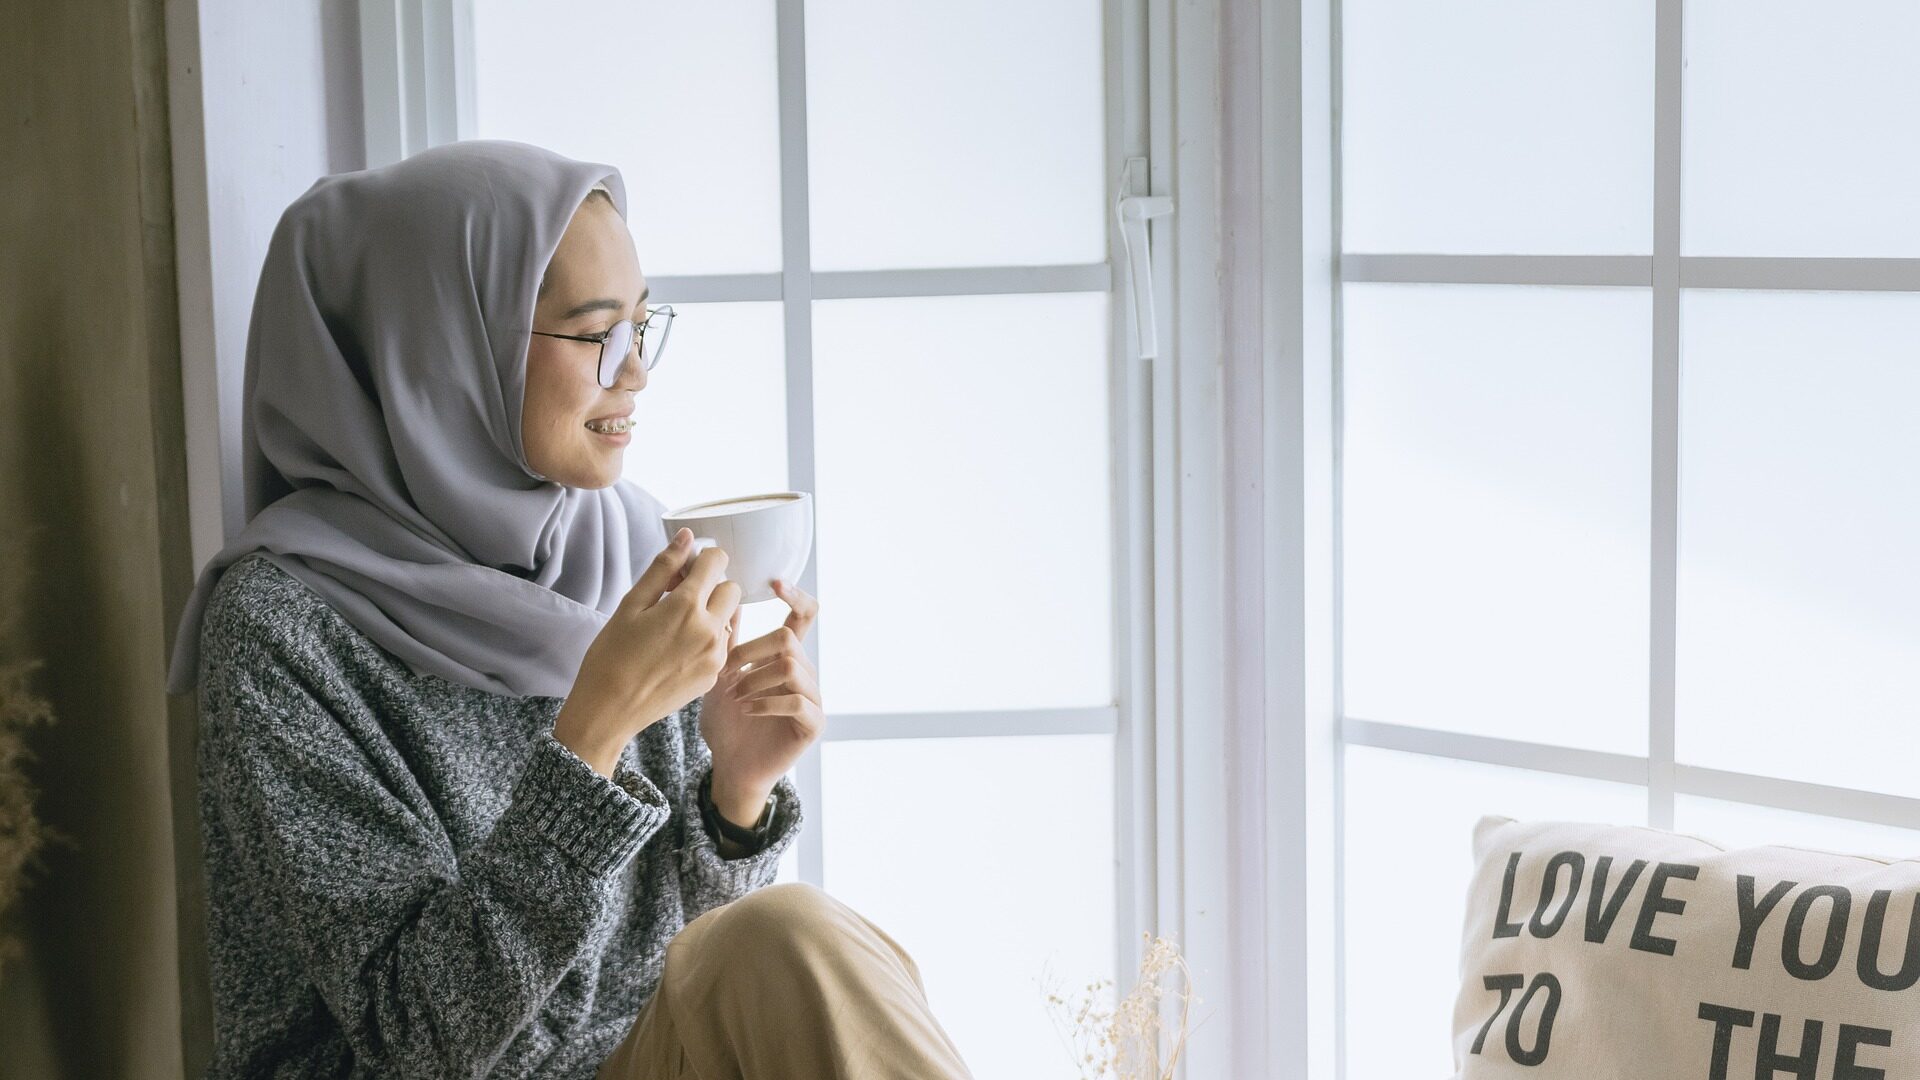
point(754, 837)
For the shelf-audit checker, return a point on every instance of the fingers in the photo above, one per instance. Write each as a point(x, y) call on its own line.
point(704, 574)
point(665, 571)
point(767, 646)
point(804, 607)
point(807, 711)
point(723, 603)
point(789, 673)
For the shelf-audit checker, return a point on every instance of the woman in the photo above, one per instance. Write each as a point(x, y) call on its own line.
point(484, 789)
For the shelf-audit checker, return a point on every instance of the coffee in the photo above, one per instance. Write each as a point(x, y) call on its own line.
point(738, 506)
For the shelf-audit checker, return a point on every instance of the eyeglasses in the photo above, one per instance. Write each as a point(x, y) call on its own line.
point(616, 340)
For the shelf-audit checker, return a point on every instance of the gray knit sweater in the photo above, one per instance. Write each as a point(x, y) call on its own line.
point(409, 877)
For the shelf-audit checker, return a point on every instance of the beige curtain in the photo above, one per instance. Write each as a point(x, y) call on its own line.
point(112, 983)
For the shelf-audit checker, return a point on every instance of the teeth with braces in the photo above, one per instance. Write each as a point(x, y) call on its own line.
point(611, 427)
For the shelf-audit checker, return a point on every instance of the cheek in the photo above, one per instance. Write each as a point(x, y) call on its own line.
point(553, 400)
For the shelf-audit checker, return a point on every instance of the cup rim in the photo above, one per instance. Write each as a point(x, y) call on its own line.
point(695, 509)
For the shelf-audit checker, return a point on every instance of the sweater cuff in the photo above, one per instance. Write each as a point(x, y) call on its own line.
point(729, 878)
point(598, 823)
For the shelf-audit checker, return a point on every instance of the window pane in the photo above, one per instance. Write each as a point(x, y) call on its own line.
point(1737, 825)
point(712, 421)
point(964, 473)
point(986, 904)
point(1799, 134)
point(1502, 126)
point(1408, 862)
point(1799, 597)
point(1495, 510)
point(681, 98)
point(956, 134)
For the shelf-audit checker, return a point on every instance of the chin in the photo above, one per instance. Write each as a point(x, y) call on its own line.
point(589, 478)
point(587, 475)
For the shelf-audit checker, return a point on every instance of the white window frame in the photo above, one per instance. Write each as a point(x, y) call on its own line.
point(1666, 272)
point(1229, 747)
point(1225, 747)
point(418, 90)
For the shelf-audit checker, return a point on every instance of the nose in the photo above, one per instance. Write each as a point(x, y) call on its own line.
point(633, 373)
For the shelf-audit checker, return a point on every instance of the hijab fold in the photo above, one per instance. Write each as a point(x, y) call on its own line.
point(383, 463)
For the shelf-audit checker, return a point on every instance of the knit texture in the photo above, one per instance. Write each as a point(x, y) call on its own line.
point(410, 877)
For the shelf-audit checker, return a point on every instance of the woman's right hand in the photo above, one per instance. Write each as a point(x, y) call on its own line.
point(655, 654)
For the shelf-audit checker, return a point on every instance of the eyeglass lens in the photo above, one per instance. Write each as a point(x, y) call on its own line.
point(613, 351)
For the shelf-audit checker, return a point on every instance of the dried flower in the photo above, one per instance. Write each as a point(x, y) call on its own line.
point(21, 833)
point(1122, 1042)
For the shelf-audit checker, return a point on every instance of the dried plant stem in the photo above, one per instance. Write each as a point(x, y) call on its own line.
point(1123, 1042)
point(21, 833)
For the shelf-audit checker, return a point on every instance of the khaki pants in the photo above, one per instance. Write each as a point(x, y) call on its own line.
point(786, 983)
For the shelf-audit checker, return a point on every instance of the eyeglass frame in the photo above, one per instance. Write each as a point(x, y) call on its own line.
point(639, 338)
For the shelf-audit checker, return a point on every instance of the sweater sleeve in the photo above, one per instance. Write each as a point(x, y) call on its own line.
point(431, 965)
point(707, 878)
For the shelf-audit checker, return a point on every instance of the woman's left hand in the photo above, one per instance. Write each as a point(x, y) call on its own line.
point(757, 721)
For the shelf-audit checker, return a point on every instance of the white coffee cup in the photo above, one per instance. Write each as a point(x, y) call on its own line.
point(765, 536)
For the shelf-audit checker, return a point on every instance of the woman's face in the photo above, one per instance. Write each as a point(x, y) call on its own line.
point(592, 282)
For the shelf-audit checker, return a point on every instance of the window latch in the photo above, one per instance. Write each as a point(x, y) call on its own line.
point(1134, 211)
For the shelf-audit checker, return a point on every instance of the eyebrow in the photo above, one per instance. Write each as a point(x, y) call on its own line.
point(603, 304)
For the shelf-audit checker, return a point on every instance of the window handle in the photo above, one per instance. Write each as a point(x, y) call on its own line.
point(1134, 211)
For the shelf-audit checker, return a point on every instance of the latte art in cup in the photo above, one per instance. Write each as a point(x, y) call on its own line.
point(737, 506)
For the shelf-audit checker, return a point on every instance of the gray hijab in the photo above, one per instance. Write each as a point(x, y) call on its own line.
point(385, 368)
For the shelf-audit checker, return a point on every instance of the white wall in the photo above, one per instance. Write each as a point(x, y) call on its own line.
point(265, 100)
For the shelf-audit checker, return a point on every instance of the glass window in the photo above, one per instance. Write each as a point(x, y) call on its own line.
point(712, 421)
point(1799, 628)
point(1497, 126)
point(947, 135)
point(936, 841)
point(1799, 136)
point(965, 463)
point(1738, 825)
point(681, 98)
point(1495, 510)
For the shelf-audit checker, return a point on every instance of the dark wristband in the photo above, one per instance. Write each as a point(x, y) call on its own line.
point(717, 825)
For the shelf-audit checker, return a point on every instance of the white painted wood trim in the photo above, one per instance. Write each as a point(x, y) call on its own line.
point(1663, 556)
point(1291, 1022)
point(1695, 271)
point(1498, 269)
point(213, 474)
point(416, 75)
point(1190, 545)
point(1488, 750)
point(1850, 804)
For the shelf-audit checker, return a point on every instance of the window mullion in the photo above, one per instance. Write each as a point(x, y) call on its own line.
point(1664, 533)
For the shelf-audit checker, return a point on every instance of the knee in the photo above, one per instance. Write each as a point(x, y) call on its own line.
point(771, 924)
point(781, 910)
point(790, 927)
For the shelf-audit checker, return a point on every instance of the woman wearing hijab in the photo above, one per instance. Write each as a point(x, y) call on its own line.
point(485, 788)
